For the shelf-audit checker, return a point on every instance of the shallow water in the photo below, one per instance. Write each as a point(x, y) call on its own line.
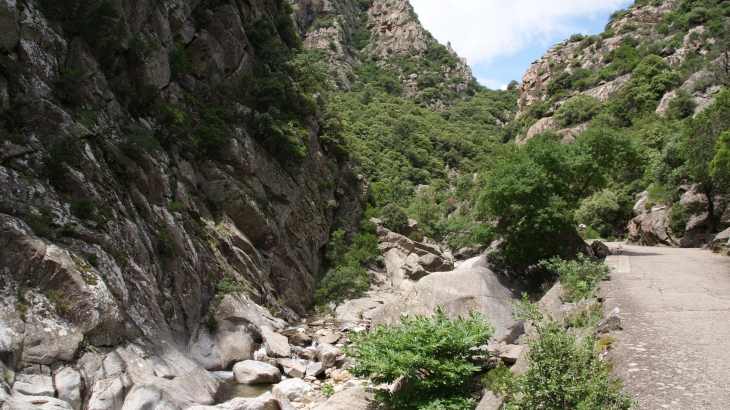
point(230, 389)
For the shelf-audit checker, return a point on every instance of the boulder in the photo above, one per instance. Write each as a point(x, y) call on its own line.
point(725, 219)
point(599, 249)
point(293, 367)
point(68, 386)
point(720, 240)
point(610, 323)
point(266, 401)
point(471, 287)
point(327, 354)
point(510, 353)
point(315, 369)
point(253, 372)
point(293, 389)
point(35, 402)
point(650, 227)
point(298, 337)
point(35, 385)
point(331, 339)
point(276, 345)
point(489, 402)
point(355, 398)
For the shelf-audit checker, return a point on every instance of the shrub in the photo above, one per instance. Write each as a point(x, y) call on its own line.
point(562, 81)
point(563, 372)
point(579, 277)
point(599, 212)
point(683, 106)
point(40, 223)
point(394, 217)
point(360, 38)
point(166, 244)
point(69, 83)
point(342, 283)
point(211, 132)
point(577, 110)
point(177, 206)
point(83, 208)
point(229, 284)
point(435, 355)
point(179, 63)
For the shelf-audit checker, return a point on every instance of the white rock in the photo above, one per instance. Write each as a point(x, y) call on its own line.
point(292, 389)
point(35, 385)
point(253, 372)
point(68, 382)
point(276, 345)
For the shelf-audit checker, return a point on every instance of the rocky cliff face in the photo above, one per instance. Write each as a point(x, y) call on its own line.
point(141, 234)
point(640, 26)
point(349, 31)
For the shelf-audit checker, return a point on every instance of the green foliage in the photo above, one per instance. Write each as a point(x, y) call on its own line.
point(434, 354)
point(532, 192)
point(579, 277)
point(394, 217)
point(342, 283)
point(683, 106)
point(564, 372)
point(599, 211)
point(577, 110)
point(179, 63)
point(651, 79)
point(327, 390)
point(40, 222)
point(360, 38)
point(69, 83)
point(177, 206)
point(61, 155)
point(57, 300)
point(83, 208)
point(166, 245)
point(210, 133)
point(720, 165)
point(229, 284)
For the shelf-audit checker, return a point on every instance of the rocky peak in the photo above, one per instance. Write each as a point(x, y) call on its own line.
point(588, 61)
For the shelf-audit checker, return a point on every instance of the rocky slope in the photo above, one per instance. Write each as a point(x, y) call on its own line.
point(641, 24)
point(135, 257)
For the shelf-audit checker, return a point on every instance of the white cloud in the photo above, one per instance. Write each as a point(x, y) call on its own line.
point(482, 30)
point(493, 84)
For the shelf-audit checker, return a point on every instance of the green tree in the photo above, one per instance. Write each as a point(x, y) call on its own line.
point(576, 110)
point(436, 356)
point(532, 192)
point(699, 148)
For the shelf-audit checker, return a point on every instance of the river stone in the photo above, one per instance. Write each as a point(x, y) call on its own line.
point(327, 354)
point(266, 401)
point(292, 389)
point(600, 250)
point(315, 369)
point(293, 367)
point(356, 398)
point(330, 339)
point(253, 372)
point(68, 383)
point(276, 345)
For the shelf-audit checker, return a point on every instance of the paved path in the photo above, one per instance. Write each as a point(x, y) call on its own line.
point(674, 351)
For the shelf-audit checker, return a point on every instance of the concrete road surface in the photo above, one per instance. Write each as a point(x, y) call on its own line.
point(674, 351)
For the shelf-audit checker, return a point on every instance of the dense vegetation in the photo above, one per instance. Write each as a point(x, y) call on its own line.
point(435, 356)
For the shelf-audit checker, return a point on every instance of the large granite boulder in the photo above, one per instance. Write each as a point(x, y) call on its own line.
point(650, 227)
point(253, 372)
point(471, 287)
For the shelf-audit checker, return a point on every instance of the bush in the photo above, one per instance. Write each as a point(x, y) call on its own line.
point(579, 277)
point(563, 372)
point(435, 355)
point(83, 208)
point(229, 284)
point(166, 244)
point(681, 107)
point(577, 110)
point(394, 217)
point(40, 223)
point(179, 63)
point(69, 83)
point(599, 211)
point(360, 38)
point(342, 283)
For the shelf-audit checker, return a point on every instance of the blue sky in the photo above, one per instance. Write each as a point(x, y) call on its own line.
point(501, 39)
